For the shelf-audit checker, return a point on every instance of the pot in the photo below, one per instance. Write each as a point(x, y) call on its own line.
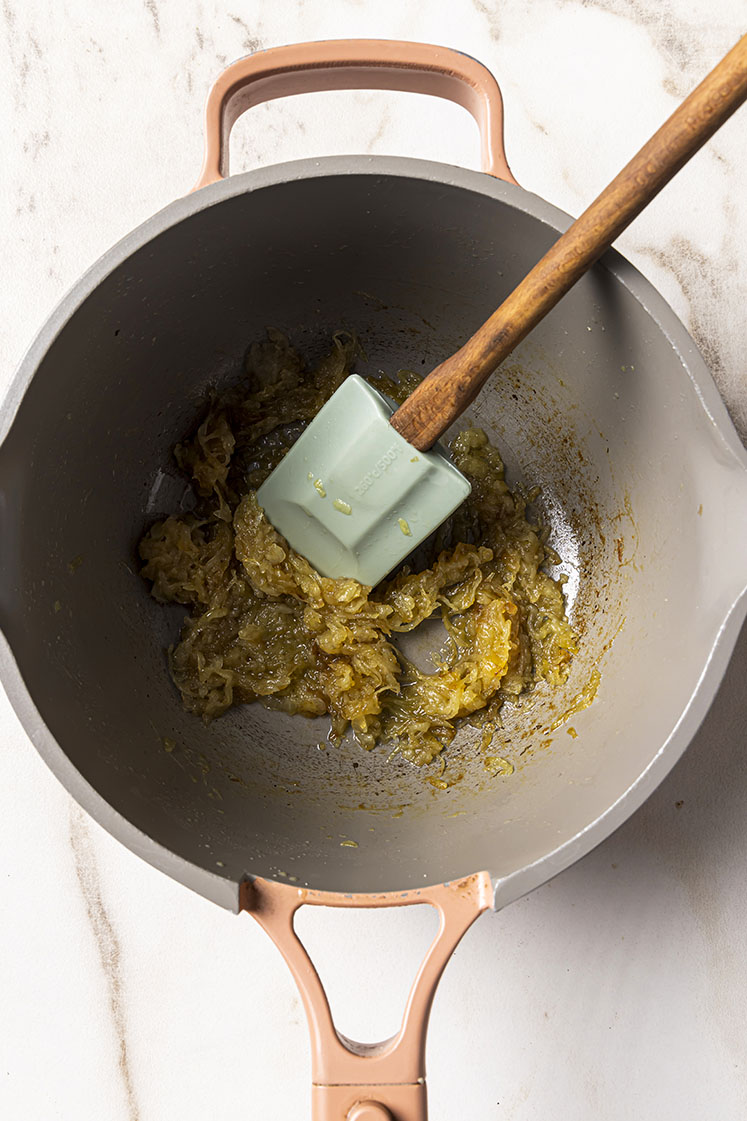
point(607, 407)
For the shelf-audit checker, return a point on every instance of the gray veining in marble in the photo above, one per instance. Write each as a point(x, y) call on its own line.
point(108, 946)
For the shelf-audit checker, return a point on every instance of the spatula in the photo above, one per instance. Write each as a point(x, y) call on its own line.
point(366, 481)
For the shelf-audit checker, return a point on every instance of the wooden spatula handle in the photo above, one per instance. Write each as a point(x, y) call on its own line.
point(447, 391)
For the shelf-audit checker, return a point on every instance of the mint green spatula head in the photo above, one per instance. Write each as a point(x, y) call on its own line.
point(352, 495)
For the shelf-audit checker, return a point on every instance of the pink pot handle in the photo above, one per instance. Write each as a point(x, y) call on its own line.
point(356, 1081)
point(353, 64)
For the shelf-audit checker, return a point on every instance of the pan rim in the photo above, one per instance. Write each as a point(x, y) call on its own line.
point(225, 890)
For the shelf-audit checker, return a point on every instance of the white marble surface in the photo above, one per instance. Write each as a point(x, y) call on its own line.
point(617, 991)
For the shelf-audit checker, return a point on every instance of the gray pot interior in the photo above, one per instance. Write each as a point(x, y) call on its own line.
point(599, 408)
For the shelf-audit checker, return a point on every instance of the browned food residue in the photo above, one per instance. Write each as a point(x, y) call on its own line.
point(582, 700)
point(264, 626)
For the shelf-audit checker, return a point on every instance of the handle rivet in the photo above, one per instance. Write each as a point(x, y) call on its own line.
point(369, 1111)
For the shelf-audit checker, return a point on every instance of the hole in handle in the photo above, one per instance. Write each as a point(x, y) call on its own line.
point(354, 122)
point(367, 961)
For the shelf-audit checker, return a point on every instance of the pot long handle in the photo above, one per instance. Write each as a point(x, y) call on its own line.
point(353, 64)
point(368, 1082)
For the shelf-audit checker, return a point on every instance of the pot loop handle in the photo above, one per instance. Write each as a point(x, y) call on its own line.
point(360, 1081)
point(347, 64)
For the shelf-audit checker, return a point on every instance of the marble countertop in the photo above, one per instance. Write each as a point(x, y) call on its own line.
point(618, 990)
